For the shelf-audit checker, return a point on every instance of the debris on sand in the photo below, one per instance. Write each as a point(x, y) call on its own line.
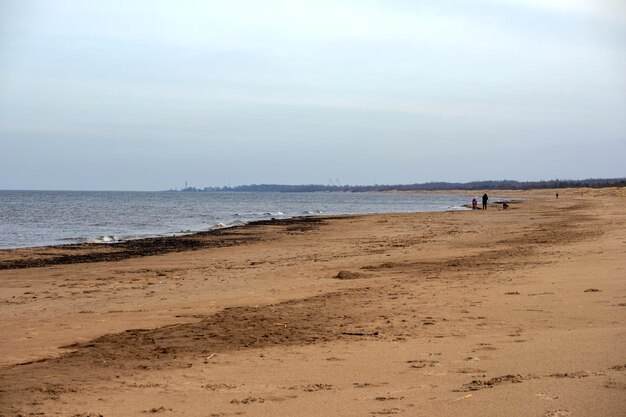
point(348, 275)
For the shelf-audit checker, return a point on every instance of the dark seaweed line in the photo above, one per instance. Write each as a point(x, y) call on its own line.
point(160, 245)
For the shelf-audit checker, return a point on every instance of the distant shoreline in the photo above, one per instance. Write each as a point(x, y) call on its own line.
point(430, 186)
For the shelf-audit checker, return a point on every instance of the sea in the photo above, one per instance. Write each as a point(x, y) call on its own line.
point(38, 218)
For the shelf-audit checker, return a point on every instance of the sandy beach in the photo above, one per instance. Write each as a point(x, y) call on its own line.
point(518, 312)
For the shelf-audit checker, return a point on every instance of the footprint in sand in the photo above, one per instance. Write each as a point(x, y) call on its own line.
point(547, 396)
point(275, 398)
point(557, 413)
point(388, 398)
point(428, 321)
point(613, 384)
point(516, 332)
point(484, 346)
point(470, 371)
point(421, 363)
point(312, 387)
point(248, 400)
point(387, 411)
point(218, 387)
point(368, 384)
point(155, 410)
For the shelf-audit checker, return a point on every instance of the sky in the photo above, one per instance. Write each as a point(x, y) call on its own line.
point(148, 94)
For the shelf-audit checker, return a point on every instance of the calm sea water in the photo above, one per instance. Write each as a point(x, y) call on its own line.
point(34, 218)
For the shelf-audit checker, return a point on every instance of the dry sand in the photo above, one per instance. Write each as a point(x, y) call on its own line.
point(479, 313)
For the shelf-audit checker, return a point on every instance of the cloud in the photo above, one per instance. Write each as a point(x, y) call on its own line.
point(442, 80)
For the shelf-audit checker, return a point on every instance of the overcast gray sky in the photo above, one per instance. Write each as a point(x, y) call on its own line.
point(143, 95)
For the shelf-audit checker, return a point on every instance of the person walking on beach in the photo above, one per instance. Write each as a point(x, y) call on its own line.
point(485, 199)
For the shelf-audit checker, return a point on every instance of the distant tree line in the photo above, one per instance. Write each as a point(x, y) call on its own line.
point(429, 186)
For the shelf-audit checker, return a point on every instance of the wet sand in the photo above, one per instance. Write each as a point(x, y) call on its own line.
point(518, 312)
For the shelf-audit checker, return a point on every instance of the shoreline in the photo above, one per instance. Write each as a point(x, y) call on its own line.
point(161, 244)
point(516, 312)
point(184, 233)
point(200, 223)
point(87, 252)
point(163, 237)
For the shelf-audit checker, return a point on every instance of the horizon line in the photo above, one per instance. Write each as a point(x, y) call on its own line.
point(335, 186)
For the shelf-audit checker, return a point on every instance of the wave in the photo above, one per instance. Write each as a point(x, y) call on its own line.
point(237, 223)
point(114, 217)
point(106, 239)
point(259, 214)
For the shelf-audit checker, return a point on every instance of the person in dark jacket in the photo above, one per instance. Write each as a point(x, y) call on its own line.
point(485, 199)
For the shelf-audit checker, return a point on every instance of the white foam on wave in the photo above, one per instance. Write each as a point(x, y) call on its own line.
point(106, 239)
point(278, 213)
